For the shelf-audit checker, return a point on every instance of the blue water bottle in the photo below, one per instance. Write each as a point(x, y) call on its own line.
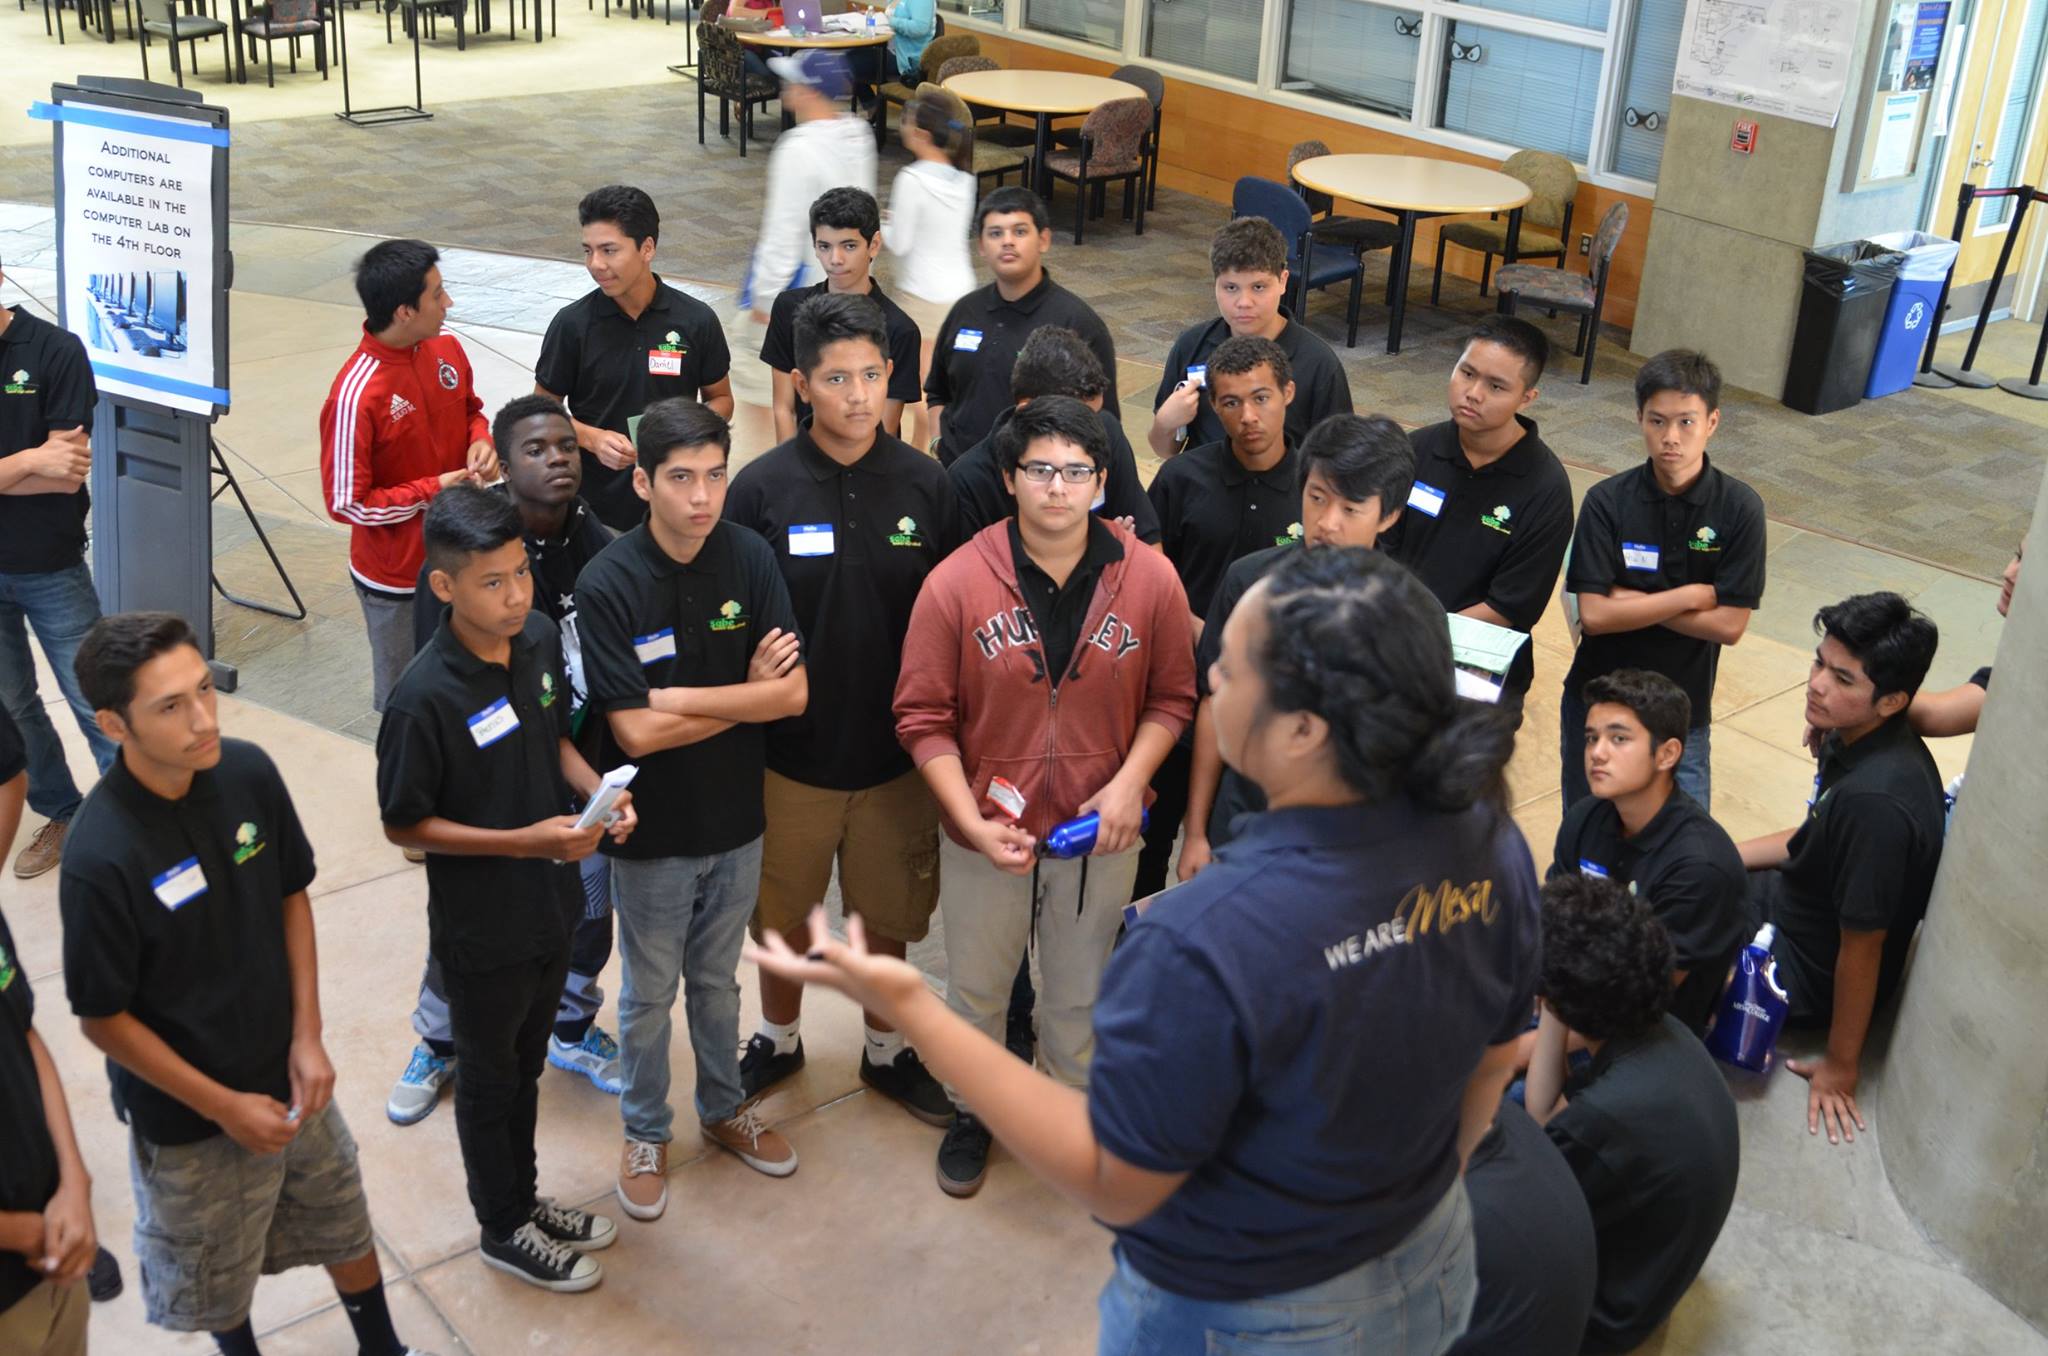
point(1745, 1031)
point(1076, 837)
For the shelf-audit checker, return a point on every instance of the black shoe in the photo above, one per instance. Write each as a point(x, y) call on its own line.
point(963, 1156)
point(538, 1260)
point(573, 1228)
point(104, 1280)
point(907, 1081)
point(761, 1068)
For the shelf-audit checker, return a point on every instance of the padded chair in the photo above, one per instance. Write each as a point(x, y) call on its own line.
point(1154, 85)
point(1563, 291)
point(990, 162)
point(1112, 149)
point(431, 10)
point(1546, 219)
point(161, 17)
point(289, 20)
point(937, 53)
point(722, 73)
point(1312, 263)
point(1364, 234)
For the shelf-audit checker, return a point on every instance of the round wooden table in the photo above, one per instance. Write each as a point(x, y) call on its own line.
point(1045, 95)
point(1411, 187)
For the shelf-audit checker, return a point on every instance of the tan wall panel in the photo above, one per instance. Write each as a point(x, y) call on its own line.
point(1213, 137)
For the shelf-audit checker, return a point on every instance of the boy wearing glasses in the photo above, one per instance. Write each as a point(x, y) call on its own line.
point(1048, 668)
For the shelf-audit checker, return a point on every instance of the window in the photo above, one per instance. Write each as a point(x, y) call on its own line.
point(1578, 13)
point(1098, 21)
point(1219, 36)
point(2020, 91)
point(1354, 53)
point(1646, 88)
point(1519, 90)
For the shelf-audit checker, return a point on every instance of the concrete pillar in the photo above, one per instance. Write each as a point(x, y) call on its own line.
point(1963, 1115)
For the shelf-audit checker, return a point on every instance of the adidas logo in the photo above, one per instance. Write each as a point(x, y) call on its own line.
point(400, 407)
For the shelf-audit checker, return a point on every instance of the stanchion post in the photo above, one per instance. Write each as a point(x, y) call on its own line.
point(1927, 376)
point(2031, 388)
point(1963, 376)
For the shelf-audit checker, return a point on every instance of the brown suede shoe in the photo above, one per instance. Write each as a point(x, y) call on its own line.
point(43, 852)
point(643, 1179)
point(748, 1137)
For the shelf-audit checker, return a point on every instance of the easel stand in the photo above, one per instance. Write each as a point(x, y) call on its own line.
point(1963, 376)
point(377, 117)
point(226, 475)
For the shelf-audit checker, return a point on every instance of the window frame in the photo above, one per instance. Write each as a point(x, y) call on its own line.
point(1613, 44)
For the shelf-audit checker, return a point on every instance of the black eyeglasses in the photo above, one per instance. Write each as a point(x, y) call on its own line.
point(1042, 472)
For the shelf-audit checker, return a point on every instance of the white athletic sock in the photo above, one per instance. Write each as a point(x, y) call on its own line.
point(883, 1046)
point(783, 1036)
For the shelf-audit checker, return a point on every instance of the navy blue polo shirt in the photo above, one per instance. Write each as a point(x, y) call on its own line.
point(1294, 1027)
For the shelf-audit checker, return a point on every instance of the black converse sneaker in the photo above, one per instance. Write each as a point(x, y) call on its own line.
point(538, 1260)
point(906, 1080)
point(761, 1068)
point(573, 1228)
point(963, 1156)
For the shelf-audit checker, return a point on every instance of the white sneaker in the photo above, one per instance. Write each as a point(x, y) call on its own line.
point(596, 1057)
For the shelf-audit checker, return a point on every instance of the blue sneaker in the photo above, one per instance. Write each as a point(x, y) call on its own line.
point(596, 1057)
point(418, 1090)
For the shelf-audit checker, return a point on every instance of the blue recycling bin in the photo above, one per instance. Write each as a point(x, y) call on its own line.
point(1914, 296)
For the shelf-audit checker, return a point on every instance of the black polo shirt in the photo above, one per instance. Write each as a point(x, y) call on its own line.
point(1864, 861)
point(1059, 611)
point(1650, 1134)
point(45, 386)
point(1534, 1243)
point(1321, 388)
point(1631, 534)
point(1236, 796)
point(854, 544)
point(975, 349)
point(1456, 538)
point(174, 913)
point(1212, 510)
point(1686, 868)
point(481, 744)
point(778, 346)
point(651, 621)
point(608, 369)
point(28, 1157)
point(977, 477)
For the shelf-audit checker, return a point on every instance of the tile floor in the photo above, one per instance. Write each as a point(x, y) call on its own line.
point(1818, 1252)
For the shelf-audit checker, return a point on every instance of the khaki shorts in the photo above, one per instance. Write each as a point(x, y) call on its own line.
point(48, 1321)
point(886, 840)
point(211, 1217)
point(928, 316)
point(753, 382)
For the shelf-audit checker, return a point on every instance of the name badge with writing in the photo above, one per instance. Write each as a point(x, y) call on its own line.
point(1198, 374)
point(810, 539)
point(1587, 868)
point(1426, 499)
point(1638, 555)
point(180, 885)
point(493, 723)
point(664, 363)
point(660, 645)
point(967, 341)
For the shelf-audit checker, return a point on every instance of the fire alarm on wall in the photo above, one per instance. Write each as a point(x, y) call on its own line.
point(1744, 140)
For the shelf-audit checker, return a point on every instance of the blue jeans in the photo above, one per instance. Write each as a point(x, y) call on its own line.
point(681, 920)
point(1695, 766)
point(1413, 1300)
point(62, 607)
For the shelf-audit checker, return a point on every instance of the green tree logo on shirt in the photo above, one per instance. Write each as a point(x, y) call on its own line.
point(672, 343)
point(7, 970)
point(1291, 537)
point(731, 616)
point(248, 842)
point(547, 690)
point(906, 533)
point(1498, 519)
point(1706, 539)
point(19, 384)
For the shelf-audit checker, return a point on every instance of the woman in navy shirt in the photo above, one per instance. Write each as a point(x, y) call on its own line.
point(1295, 1050)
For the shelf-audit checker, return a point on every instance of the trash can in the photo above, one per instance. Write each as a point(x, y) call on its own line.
point(1903, 337)
point(1841, 310)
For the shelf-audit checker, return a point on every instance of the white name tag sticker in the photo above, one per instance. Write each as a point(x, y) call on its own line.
point(664, 364)
point(810, 539)
point(180, 885)
point(660, 645)
point(1592, 868)
point(1638, 556)
point(1426, 499)
point(967, 341)
point(493, 723)
point(1198, 374)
